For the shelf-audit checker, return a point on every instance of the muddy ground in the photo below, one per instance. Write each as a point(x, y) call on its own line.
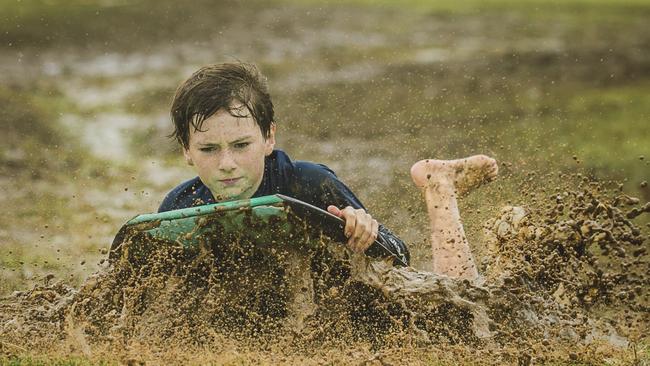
point(550, 90)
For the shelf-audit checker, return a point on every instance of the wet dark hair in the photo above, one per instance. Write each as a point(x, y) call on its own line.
point(221, 86)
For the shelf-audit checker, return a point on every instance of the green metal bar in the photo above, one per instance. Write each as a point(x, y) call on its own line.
point(206, 209)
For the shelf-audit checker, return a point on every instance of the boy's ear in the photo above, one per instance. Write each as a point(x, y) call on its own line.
point(188, 158)
point(270, 141)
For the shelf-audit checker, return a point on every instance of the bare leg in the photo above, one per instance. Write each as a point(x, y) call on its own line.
point(442, 182)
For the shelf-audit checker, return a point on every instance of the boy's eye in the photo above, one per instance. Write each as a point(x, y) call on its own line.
point(207, 149)
point(241, 145)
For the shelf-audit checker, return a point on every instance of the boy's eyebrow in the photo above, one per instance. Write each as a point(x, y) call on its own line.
point(208, 144)
point(231, 142)
point(241, 139)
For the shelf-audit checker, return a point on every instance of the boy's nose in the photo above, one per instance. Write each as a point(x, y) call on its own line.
point(227, 163)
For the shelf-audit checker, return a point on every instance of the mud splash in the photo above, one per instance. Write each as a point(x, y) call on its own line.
point(565, 281)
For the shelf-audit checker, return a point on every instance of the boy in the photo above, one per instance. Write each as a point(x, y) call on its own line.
point(223, 118)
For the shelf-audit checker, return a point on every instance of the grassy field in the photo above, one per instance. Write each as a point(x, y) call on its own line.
point(366, 87)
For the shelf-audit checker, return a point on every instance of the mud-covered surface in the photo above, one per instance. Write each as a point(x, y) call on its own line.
point(565, 282)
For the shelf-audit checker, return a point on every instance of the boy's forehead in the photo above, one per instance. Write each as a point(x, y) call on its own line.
point(224, 126)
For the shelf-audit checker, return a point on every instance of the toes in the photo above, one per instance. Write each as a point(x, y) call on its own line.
point(492, 169)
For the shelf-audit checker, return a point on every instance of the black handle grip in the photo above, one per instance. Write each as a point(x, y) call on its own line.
point(333, 227)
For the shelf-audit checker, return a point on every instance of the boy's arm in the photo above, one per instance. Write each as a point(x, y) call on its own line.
point(362, 231)
point(319, 185)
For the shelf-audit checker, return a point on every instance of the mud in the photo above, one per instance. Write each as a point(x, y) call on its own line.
point(565, 280)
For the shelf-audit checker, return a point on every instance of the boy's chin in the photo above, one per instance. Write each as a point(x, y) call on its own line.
point(232, 194)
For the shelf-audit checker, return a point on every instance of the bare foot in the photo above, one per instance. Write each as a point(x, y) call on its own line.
point(462, 175)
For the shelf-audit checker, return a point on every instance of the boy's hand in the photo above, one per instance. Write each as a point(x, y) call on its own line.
point(360, 228)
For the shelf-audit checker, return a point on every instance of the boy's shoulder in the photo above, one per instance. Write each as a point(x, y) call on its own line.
point(300, 169)
point(309, 170)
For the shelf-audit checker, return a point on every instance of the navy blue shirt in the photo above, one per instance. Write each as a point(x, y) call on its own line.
point(313, 183)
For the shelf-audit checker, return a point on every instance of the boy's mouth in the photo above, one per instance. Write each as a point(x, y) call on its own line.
point(229, 182)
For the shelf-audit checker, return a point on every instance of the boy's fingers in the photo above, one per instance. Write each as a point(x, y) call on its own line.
point(374, 231)
point(372, 234)
point(350, 222)
point(347, 214)
point(334, 210)
point(361, 229)
point(364, 239)
point(363, 242)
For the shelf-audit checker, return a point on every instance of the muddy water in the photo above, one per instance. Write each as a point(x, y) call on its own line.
point(566, 281)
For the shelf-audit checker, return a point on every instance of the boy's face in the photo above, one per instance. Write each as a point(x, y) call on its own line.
point(228, 154)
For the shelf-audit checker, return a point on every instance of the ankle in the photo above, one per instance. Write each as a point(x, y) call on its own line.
point(441, 188)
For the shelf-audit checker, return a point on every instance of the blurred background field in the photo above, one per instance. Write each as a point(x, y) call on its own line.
point(550, 88)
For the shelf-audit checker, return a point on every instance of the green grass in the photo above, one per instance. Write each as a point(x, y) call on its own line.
point(52, 361)
point(44, 166)
point(123, 24)
point(609, 131)
point(133, 25)
point(31, 142)
point(478, 6)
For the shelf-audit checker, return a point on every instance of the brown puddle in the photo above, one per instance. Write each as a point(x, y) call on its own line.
point(565, 282)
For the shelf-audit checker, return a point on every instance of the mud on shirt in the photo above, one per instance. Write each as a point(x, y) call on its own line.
point(313, 183)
